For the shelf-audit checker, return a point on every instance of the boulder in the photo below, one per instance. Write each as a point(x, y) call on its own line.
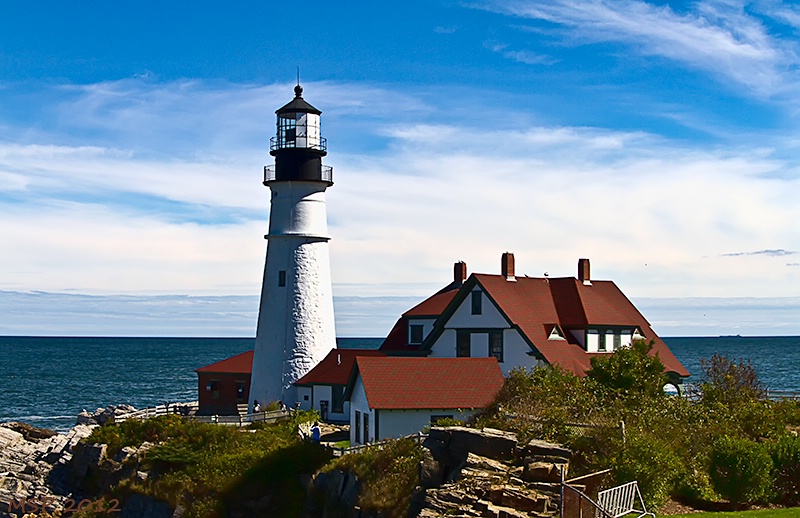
point(537, 448)
point(9, 437)
point(543, 472)
point(488, 442)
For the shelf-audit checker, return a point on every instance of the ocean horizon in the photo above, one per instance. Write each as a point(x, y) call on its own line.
point(47, 380)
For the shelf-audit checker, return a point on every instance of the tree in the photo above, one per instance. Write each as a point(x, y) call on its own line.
point(630, 371)
point(728, 382)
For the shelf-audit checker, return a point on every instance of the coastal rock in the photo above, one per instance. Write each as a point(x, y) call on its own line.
point(9, 437)
point(543, 472)
point(537, 448)
point(105, 415)
point(467, 472)
point(487, 442)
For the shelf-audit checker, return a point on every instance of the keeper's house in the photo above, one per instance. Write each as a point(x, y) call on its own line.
point(526, 321)
point(224, 386)
point(394, 396)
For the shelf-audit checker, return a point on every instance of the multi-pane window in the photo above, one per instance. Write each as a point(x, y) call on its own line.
point(601, 340)
point(415, 333)
point(496, 345)
point(463, 344)
point(617, 340)
point(477, 303)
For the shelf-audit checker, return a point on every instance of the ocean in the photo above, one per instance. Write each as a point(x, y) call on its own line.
point(47, 381)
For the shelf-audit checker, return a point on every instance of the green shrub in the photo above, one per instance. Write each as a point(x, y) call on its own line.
point(786, 470)
point(728, 382)
point(652, 462)
point(388, 475)
point(630, 371)
point(740, 469)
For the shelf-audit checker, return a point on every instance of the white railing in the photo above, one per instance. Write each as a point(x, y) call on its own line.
point(189, 410)
point(622, 501)
point(338, 452)
point(185, 409)
point(777, 395)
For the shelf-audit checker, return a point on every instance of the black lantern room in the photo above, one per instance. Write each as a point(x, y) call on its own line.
point(298, 147)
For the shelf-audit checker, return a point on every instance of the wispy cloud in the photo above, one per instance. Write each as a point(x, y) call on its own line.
point(719, 37)
point(523, 56)
point(779, 252)
point(440, 29)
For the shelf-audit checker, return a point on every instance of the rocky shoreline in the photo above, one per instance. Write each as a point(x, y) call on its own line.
point(35, 463)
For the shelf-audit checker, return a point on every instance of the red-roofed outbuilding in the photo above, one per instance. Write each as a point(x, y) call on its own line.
point(396, 396)
point(224, 385)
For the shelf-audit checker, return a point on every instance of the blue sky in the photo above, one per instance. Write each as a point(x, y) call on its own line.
point(658, 139)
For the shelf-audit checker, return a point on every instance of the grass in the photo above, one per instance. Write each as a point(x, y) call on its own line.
point(217, 470)
point(789, 512)
point(388, 475)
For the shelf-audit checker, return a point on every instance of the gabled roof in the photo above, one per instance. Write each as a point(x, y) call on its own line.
point(335, 368)
point(397, 339)
point(239, 364)
point(533, 305)
point(395, 383)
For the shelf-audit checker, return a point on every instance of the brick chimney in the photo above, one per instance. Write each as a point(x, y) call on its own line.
point(459, 273)
point(507, 266)
point(583, 272)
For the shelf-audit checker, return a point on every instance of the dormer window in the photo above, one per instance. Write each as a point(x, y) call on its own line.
point(415, 333)
point(556, 334)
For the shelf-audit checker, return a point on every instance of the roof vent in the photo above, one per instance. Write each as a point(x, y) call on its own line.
point(507, 266)
point(583, 272)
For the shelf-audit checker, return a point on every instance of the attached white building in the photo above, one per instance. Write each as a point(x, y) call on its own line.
point(398, 396)
point(323, 387)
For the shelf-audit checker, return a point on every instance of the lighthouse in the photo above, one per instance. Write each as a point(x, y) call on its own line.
point(295, 321)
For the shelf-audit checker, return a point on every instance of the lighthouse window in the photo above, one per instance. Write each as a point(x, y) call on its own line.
point(282, 278)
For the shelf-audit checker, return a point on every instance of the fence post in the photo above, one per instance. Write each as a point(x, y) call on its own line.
point(561, 504)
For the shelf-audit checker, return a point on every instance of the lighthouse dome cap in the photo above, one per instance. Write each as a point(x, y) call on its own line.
point(298, 104)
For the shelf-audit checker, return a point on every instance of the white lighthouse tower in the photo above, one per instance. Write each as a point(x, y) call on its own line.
point(295, 321)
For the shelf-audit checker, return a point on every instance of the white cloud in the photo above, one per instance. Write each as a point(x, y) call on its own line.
point(415, 191)
point(718, 37)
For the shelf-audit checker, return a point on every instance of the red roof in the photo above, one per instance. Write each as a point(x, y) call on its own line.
point(432, 307)
point(534, 304)
point(423, 383)
point(239, 364)
point(335, 368)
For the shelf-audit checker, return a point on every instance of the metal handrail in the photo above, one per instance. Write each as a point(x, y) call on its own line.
point(326, 173)
point(583, 497)
point(621, 500)
point(277, 143)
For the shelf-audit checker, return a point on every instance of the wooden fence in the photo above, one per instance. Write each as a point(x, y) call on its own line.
point(189, 410)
